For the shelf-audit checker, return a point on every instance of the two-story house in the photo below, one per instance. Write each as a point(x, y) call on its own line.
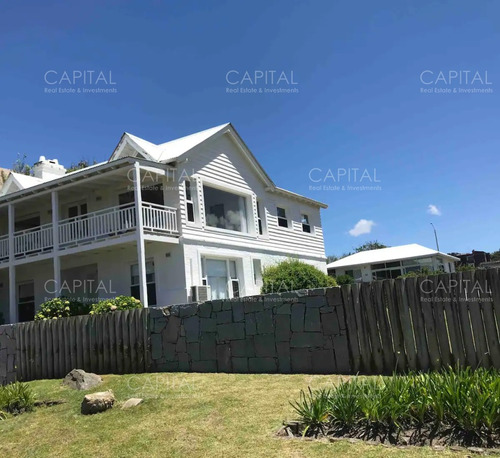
point(156, 221)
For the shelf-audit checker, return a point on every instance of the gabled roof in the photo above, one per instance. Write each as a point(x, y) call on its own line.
point(168, 151)
point(395, 253)
point(175, 150)
point(17, 182)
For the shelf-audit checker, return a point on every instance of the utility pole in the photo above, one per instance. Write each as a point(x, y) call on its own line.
point(435, 236)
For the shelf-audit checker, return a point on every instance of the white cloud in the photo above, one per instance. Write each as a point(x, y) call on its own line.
point(433, 210)
point(363, 226)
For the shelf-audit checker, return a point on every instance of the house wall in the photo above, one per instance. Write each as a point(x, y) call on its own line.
point(194, 251)
point(221, 163)
point(113, 274)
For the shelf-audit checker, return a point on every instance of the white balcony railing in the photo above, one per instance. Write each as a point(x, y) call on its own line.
point(34, 240)
point(159, 218)
point(98, 225)
point(4, 248)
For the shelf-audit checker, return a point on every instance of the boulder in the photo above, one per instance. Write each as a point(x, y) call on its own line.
point(132, 402)
point(97, 402)
point(78, 379)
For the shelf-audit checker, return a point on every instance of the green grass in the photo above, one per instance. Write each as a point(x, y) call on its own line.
point(200, 415)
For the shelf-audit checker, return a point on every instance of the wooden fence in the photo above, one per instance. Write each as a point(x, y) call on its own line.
point(116, 343)
point(424, 323)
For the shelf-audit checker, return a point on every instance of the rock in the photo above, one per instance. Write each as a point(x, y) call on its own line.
point(97, 402)
point(78, 379)
point(132, 402)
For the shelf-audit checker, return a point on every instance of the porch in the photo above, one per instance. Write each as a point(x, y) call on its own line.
point(85, 229)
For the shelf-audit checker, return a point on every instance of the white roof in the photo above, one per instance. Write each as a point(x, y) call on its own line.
point(395, 253)
point(169, 151)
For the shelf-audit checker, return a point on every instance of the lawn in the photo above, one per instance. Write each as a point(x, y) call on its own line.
point(204, 415)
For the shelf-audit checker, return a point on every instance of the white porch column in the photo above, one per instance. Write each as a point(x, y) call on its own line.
point(13, 316)
point(55, 242)
point(141, 251)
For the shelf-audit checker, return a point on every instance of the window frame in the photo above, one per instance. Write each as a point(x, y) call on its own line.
point(281, 218)
point(246, 195)
point(234, 282)
point(190, 203)
point(308, 224)
point(148, 283)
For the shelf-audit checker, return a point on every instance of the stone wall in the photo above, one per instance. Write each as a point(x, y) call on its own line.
point(297, 332)
point(7, 354)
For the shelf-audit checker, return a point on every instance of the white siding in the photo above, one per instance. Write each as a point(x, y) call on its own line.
point(222, 162)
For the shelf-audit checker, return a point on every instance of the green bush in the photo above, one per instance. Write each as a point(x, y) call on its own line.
point(461, 402)
point(344, 280)
point(61, 307)
point(292, 275)
point(116, 304)
point(16, 398)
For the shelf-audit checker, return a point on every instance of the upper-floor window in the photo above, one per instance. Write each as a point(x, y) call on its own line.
point(259, 219)
point(306, 227)
point(189, 202)
point(225, 210)
point(282, 219)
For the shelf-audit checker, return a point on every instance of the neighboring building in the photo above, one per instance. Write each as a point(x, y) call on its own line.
point(4, 173)
point(391, 262)
point(476, 258)
point(208, 215)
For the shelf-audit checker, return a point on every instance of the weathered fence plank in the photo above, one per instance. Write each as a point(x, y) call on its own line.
point(368, 312)
point(397, 330)
point(352, 335)
point(384, 326)
point(406, 326)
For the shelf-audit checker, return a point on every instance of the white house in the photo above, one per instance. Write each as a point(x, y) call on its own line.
point(207, 215)
point(391, 262)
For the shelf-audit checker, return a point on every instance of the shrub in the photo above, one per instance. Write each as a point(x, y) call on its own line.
point(344, 280)
point(292, 275)
point(61, 307)
point(17, 398)
point(462, 403)
point(116, 304)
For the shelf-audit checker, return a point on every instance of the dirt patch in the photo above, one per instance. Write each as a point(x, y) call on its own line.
point(437, 438)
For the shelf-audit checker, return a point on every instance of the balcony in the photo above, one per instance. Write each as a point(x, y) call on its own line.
point(91, 227)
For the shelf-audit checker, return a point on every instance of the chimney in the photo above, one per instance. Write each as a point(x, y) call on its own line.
point(48, 169)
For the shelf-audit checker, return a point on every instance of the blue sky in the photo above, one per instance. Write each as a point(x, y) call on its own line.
point(359, 73)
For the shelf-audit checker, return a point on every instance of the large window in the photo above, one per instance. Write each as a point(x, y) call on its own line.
point(225, 210)
point(222, 277)
point(135, 289)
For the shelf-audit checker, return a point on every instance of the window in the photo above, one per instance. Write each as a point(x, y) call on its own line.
point(257, 271)
point(135, 289)
point(282, 220)
point(259, 218)
point(189, 202)
point(306, 227)
point(222, 277)
point(26, 301)
point(225, 210)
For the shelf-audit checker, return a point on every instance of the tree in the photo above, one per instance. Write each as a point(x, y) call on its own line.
point(82, 164)
point(371, 245)
point(20, 166)
point(292, 275)
point(495, 256)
